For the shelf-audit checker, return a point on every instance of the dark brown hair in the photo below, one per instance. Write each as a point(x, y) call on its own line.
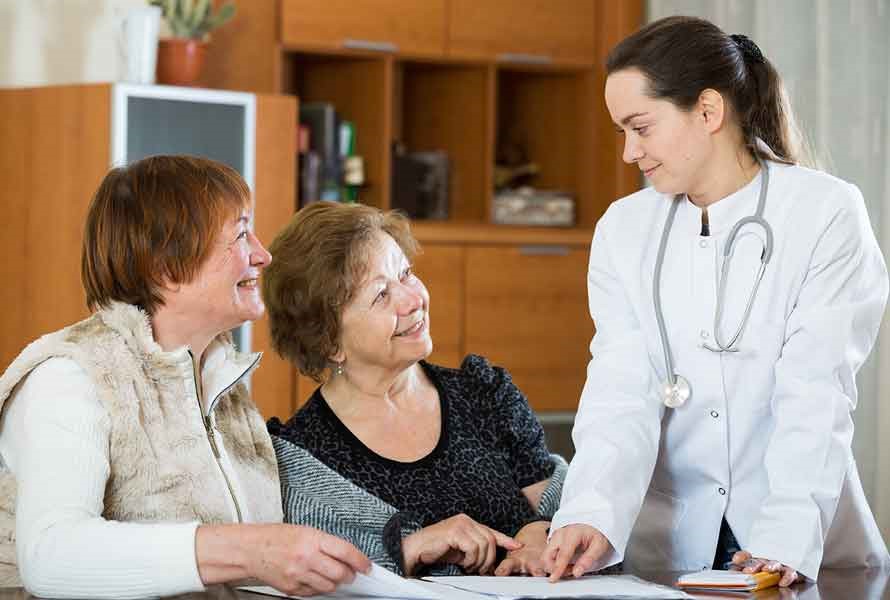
point(683, 56)
point(320, 259)
point(154, 222)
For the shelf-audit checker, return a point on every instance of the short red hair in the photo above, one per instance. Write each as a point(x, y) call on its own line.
point(154, 222)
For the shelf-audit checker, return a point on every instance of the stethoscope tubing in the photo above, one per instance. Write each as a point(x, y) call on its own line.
point(676, 389)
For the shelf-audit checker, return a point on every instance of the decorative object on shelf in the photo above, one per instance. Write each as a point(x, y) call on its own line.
point(529, 206)
point(181, 57)
point(139, 45)
point(353, 165)
point(308, 166)
point(511, 176)
point(420, 182)
point(324, 139)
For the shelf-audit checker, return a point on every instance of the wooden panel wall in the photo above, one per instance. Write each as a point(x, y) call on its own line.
point(244, 54)
point(615, 20)
point(56, 149)
point(276, 155)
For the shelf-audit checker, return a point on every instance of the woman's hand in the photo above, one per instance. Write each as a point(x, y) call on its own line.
point(570, 540)
point(456, 540)
point(527, 560)
point(743, 561)
point(296, 560)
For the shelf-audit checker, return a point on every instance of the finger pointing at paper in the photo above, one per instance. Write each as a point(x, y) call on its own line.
point(583, 541)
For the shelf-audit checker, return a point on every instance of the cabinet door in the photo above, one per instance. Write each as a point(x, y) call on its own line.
point(441, 269)
point(405, 26)
point(526, 310)
point(523, 30)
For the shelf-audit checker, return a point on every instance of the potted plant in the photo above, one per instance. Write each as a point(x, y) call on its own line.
point(180, 57)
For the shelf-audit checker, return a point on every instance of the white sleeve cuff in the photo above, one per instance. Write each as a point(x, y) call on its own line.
point(111, 559)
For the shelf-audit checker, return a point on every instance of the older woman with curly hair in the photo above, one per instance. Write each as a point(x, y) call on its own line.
point(424, 468)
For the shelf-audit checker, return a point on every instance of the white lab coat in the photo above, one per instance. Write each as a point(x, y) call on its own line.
point(766, 436)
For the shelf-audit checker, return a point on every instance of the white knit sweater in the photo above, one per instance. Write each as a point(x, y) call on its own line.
point(59, 452)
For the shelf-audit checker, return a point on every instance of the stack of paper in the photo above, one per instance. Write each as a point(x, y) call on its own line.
point(591, 586)
point(728, 580)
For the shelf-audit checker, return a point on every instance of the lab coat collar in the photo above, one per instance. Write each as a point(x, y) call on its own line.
point(726, 212)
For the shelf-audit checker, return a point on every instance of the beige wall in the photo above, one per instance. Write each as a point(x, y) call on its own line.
point(61, 41)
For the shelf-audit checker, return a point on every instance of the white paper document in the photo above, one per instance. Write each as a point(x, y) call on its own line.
point(591, 586)
point(381, 583)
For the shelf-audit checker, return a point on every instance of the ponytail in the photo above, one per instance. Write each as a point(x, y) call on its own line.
point(770, 117)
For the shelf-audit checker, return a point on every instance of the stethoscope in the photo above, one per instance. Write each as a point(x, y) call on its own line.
point(676, 390)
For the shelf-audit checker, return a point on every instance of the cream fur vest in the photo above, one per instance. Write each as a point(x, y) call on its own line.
point(162, 466)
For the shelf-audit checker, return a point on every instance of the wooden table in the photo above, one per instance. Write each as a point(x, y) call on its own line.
point(833, 584)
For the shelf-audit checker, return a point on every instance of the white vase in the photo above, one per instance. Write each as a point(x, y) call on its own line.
point(140, 43)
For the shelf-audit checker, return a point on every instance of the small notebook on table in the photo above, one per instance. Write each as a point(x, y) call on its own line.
point(728, 581)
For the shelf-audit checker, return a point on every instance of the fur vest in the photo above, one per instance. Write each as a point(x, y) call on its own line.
point(162, 463)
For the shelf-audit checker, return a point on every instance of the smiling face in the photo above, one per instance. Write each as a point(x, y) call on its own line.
point(669, 145)
point(386, 323)
point(224, 292)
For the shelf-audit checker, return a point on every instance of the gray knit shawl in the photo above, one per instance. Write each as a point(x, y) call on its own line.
point(313, 494)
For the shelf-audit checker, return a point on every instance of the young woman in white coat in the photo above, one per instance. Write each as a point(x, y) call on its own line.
point(716, 422)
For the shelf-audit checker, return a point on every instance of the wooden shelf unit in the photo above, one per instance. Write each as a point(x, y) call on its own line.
point(456, 75)
point(466, 77)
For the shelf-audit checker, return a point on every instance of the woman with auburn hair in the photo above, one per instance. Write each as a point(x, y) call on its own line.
point(135, 462)
point(424, 468)
point(734, 302)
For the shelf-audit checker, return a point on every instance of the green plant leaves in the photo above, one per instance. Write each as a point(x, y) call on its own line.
point(193, 18)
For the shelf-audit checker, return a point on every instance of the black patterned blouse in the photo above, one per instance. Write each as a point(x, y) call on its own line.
point(490, 447)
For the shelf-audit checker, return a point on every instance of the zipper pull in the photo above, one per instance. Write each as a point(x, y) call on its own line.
point(209, 427)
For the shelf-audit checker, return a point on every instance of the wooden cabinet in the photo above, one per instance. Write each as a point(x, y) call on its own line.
point(470, 78)
point(526, 310)
point(523, 31)
point(60, 141)
point(469, 103)
point(519, 299)
point(55, 152)
point(274, 191)
point(405, 26)
point(441, 267)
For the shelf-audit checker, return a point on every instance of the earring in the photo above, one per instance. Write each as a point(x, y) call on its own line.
point(338, 368)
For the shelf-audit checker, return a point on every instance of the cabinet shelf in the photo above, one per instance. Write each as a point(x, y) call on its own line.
point(449, 107)
point(358, 86)
point(451, 232)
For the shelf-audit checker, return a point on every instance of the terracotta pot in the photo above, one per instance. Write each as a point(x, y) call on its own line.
point(180, 61)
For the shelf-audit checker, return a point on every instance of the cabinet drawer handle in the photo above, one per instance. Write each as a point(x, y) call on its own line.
point(370, 45)
point(550, 250)
point(527, 59)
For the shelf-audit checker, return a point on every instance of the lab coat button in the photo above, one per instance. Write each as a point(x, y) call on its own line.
point(703, 243)
point(715, 414)
point(722, 491)
point(704, 334)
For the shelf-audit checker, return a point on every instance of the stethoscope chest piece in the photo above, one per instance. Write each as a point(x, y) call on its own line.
point(677, 393)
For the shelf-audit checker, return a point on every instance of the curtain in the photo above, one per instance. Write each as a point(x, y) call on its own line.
point(835, 59)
